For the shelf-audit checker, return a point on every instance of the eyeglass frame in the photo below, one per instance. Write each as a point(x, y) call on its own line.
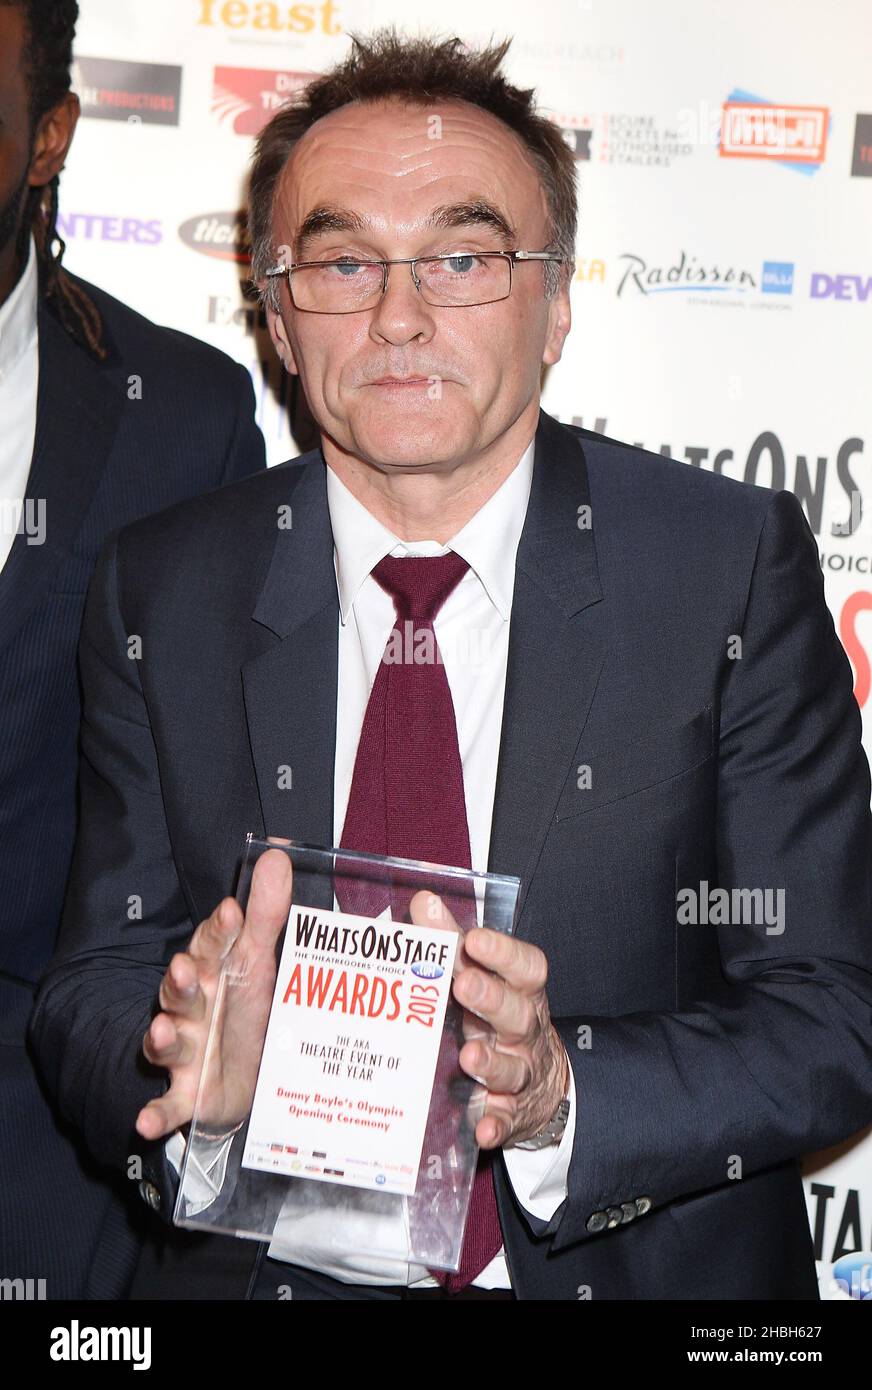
point(513, 257)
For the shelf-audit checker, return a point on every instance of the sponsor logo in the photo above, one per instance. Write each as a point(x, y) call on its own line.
point(94, 226)
point(225, 310)
point(619, 137)
point(753, 128)
point(262, 20)
point(427, 970)
point(777, 277)
point(857, 287)
point(248, 97)
point(577, 131)
point(853, 1274)
point(223, 235)
point(113, 90)
point(687, 275)
point(861, 164)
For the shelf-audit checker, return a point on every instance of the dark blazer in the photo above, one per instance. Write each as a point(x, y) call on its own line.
point(713, 1051)
point(106, 451)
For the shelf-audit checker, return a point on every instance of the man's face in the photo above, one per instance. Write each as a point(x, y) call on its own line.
point(383, 164)
point(28, 158)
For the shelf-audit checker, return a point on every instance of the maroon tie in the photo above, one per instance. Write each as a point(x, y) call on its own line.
point(407, 800)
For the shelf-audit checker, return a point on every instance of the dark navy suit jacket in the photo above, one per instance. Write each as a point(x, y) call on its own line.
point(105, 452)
point(707, 1059)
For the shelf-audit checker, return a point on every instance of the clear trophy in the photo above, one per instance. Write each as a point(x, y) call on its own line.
point(332, 1117)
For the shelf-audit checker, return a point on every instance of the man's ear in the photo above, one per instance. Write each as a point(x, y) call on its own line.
point(559, 324)
point(52, 141)
point(280, 340)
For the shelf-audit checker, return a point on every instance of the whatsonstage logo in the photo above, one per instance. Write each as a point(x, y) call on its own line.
point(113, 90)
point(222, 235)
point(246, 98)
point(754, 128)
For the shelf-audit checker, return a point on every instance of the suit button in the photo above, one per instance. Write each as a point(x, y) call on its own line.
point(597, 1222)
point(643, 1204)
point(150, 1195)
point(615, 1217)
point(629, 1211)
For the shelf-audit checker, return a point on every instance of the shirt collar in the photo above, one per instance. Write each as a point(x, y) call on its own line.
point(488, 542)
point(18, 316)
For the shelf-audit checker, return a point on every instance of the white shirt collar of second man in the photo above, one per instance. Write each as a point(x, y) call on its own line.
point(18, 316)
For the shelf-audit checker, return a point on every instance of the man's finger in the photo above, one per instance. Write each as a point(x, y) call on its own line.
point(180, 991)
point(502, 1072)
point(519, 963)
point(269, 900)
point(165, 1114)
point(427, 909)
point(215, 936)
point(165, 1046)
point(511, 1015)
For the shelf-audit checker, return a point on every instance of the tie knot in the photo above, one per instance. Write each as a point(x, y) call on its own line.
point(420, 584)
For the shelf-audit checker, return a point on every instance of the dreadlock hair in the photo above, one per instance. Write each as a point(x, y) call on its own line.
point(48, 57)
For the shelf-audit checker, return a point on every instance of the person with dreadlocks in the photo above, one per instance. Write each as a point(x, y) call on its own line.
point(79, 457)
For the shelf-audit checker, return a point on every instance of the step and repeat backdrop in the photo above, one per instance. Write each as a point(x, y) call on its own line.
point(722, 298)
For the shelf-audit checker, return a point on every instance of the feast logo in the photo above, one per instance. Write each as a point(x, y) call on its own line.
point(752, 128)
point(259, 17)
point(248, 97)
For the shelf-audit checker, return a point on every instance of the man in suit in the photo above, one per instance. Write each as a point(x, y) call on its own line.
point(663, 710)
point(105, 417)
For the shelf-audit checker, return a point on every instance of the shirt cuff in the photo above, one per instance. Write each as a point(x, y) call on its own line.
point(540, 1176)
point(206, 1171)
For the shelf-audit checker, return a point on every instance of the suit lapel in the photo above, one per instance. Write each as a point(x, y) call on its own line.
point(77, 413)
point(557, 647)
point(290, 689)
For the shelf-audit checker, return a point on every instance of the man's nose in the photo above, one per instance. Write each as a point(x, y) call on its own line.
point(401, 313)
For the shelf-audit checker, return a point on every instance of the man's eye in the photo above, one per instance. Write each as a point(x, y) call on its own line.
point(461, 264)
point(345, 265)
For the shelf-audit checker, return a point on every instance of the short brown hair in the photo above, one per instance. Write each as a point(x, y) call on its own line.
point(416, 71)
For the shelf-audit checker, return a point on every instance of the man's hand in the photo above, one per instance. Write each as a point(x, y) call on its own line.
point(177, 1037)
point(524, 1067)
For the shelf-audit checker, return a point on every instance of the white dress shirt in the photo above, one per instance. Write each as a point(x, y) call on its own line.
point(19, 373)
point(472, 631)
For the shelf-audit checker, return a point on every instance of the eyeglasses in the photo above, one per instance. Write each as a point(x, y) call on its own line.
point(457, 280)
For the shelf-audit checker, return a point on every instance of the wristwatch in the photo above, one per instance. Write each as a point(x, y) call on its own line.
point(550, 1133)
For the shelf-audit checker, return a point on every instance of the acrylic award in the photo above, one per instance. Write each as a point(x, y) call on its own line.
point(332, 1117)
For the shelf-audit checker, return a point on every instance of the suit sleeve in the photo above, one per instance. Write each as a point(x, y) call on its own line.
point(125, 912)
point(777, 1061)
point(245, 450)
